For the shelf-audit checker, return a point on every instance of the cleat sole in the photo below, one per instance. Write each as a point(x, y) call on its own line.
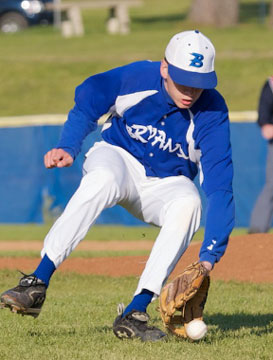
point(17, 309)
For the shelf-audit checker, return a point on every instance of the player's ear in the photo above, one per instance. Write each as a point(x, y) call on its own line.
point(164, 69)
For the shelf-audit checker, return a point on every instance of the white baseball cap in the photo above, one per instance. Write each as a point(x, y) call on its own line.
point(190, 56)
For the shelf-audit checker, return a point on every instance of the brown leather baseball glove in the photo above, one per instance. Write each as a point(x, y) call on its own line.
point(186, 294)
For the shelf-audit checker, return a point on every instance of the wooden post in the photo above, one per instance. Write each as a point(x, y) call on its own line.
point(112, 23)
point(123, 18)
point(57, 16)
point(74, 15)
point(271, 15)
point(67, 29)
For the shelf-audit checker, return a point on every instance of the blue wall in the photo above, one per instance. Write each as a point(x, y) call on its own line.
point(25, 183)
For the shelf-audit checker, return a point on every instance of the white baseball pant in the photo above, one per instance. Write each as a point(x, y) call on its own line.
point(113, 176)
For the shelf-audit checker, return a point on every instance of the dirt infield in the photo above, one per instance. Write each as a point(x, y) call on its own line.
point(248, 258)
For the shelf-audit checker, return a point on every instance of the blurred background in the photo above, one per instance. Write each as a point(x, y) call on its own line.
point(47, 48)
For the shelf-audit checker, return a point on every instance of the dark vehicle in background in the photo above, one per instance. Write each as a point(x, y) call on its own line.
point(16, 15)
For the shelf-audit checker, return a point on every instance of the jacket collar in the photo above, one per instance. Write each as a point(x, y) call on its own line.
point(167, 96)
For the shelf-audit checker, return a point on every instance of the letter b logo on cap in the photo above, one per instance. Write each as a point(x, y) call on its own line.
point(197, 61)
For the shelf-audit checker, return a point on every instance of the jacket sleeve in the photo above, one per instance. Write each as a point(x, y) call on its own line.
point(219, 224)
point(265, 107)
point(93, 98)
point(217, 174)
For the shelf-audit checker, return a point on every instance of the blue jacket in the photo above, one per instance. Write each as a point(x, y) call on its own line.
point(166, 140)
point(265, 108)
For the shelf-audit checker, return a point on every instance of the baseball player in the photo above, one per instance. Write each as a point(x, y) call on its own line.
point(262, 213)
point(166, 122)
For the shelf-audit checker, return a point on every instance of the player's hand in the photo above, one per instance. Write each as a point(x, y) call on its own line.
point(267, 131)
point(57, 158)
point(208, 266)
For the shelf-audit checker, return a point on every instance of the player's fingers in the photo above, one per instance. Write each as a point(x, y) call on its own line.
point(48, 160)
point(52, 157)
point(66, 161)
point(57, 154)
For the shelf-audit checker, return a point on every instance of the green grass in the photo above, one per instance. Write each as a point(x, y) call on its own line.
point(76, 254)
point(34, 232)
point(76, 323)
point(101, 233)
point(40, 69)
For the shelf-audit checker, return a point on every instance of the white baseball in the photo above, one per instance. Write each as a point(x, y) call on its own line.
point(196, 329)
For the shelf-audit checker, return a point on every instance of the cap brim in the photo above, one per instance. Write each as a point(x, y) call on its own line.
point(193, 79)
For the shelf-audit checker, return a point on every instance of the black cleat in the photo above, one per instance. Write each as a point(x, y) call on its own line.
point(134, 325)
point(26, 298)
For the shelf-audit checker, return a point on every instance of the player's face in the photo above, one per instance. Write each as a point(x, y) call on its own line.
point(183, 96)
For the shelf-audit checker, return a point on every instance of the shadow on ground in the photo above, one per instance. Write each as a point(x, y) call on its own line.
point(259, 323)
